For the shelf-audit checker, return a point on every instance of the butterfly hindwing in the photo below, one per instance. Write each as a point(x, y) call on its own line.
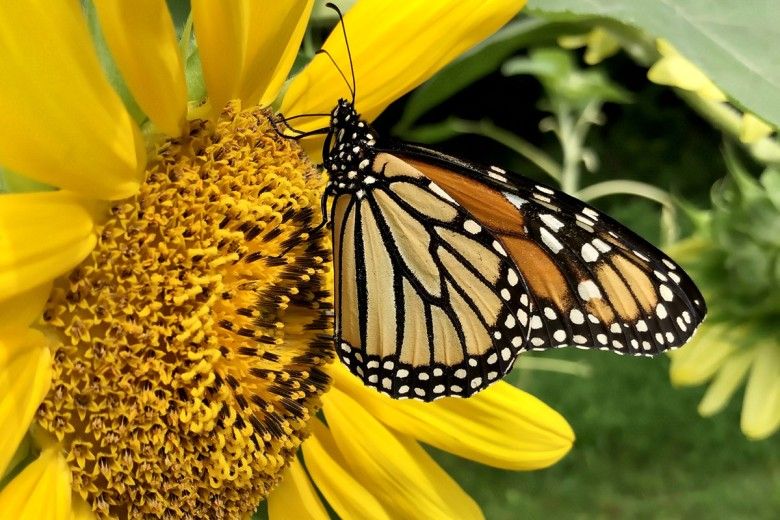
point(592, 282)
point(427, 301)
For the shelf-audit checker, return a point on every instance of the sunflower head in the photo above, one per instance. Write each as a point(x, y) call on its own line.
point(192, 337)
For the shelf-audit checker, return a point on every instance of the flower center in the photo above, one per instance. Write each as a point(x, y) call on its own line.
point(192, 339)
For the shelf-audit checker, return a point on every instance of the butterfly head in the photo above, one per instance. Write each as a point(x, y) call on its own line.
point(348, 150)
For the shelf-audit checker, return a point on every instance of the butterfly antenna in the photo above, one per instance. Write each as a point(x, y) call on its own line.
point(346, 42)
point(333, 61)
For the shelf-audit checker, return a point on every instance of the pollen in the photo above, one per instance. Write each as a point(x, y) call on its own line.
point(192, 341)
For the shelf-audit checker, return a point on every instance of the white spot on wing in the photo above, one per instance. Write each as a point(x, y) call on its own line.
point(552, 222)
point(472, 227)
point(441, 193)
point(601, 245)
point(588, 290)
point(666, 293)
point(589, 253)
point(523, 317)
point(497, 176)
point(591, 213)
point(550, 241)
point(515, 200)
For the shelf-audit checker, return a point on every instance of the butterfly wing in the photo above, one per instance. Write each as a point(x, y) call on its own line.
point(591, 281)
point(427, 301)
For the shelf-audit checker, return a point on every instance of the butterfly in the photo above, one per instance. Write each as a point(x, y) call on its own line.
point(447, 270)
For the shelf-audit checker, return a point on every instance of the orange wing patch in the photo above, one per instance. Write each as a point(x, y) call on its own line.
point(539, 271)
point(489, 206)
point(640, 284)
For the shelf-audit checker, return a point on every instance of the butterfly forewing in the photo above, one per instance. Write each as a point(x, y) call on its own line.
point(592, 282)
point(427, 301)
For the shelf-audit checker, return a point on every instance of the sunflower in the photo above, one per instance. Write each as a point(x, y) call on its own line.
point(164, 343)
point(736, 260)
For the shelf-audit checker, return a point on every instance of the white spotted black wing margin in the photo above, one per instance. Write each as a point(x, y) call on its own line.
point(592, 282)
point(427, 301)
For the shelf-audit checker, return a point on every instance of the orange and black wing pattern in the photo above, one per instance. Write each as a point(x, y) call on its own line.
point(591, 281)
point(445, 271)
point(426, 300)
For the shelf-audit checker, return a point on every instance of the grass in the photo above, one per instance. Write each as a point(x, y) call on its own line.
point(641, 452)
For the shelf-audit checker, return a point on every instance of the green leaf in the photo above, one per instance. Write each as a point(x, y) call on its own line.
point(730, 42)
point(562, 79)
point(479, 62)
point(11, 182)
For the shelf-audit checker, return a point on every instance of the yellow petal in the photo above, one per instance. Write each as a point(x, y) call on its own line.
point(42, 235)
point(142, 40)
point(395, 468)
point(295, 497)
point(61, 122)
point(25, 376)
point(222, 31)
point(395, 47)
point(753, 129)
point(697, 362)
point(501, 426)
point(348, 498)
point(247, 47)
point(22, 309)
point(761, 407)
point(601, 45)
point(80, 510)
point(573, 41)
point(276, 30)
point(41, 492)
point(674, 70)
point(726, 382)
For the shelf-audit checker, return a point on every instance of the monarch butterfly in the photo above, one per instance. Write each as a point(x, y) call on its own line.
point(446, 270)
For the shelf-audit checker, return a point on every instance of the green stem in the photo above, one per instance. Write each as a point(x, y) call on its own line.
point(640, 189)
point(574, 368)
point(571, 138)
point(729, 120)
point(487, 129)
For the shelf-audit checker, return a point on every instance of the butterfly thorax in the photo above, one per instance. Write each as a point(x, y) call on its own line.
point(348, 152)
